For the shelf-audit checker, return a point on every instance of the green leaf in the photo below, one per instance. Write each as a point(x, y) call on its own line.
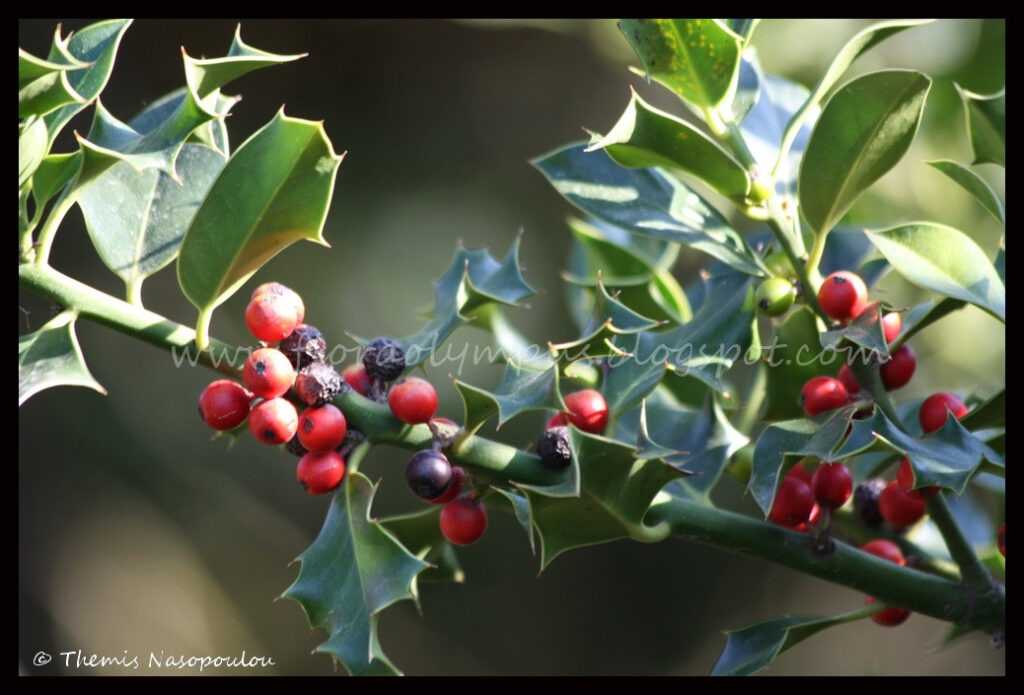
point(619, 257)
point(864, 130)
point(137, 220)
point(51, 357)
point(991, 413)
point(744, 28)
point(648, 137)
point(923, 315)
point(973, 184)
point(32, 148)
point(522, 388)
point(206, 76)
point(695, 58)
point(610, 318)
point(613, 490)
point(753, 648)
point(521, 508)
point(794, 356)
point(851, 50)
point(793, 439)
point(54, 172)
point(354, 570)
point(95, 45)
point(287, 171)
point(646, 202)
point(420, 533)
point(943, 260)
point(865, 331)
point(986, 125)
point(43, 85)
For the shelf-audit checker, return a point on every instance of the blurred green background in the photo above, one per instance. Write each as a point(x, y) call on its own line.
point(138, 533)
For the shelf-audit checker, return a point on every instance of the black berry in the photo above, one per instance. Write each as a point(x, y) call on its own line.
point(553, 447)
point(428, 474)
point(318, 383)
point(304, 346)
point(865, 501)
point(294, 446)
point(384, 359)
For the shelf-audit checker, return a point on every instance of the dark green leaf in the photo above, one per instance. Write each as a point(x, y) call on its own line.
point(287, 171)
point(354, 570)
point(521, 508)
point(793, 439)
point(137, 220)
point(794, 356)
point(420, 533)
point(753, 648)
point(991, 413)
point(986, 125)
point(43, 85)
point(924, 315)
point(95, 45)
point(613, 490)
point(609, 319)
point(973, 184)
point(618, 256)
point(864, 130)
point(645, 202)
point(51, 357)
point(648, 137)
point(943, 260)
point(521, 389)
point(695, 58)
point(865, 331)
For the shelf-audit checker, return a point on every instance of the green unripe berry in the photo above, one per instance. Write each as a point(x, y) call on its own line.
point(778, 263)
point(775, 296)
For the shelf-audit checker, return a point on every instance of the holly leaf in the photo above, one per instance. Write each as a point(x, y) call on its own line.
point(610, 318)
point(522, 388)
point(695, 58)
point(420, 533)
point(753, 648)
point(287, 170)
point(793, 357)
point(355, 569)
point(645, 202)
point(608, 495)
point(971, 182)
point(864, 130)
point(943, 260)
point(51, 357)
point(986, 125)
point(618, 257)
point(43, 85)
point(865, 330)
point(648, 137)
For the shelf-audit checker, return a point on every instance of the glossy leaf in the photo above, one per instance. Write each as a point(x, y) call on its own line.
point(420, 533)
point(864, 130)
point(695, 58)
point(753, 648)
point(865, 331)
point(851, 50)
point(793, 356)
point(609, 319)
point(96, 45)
point(645, 202)
point(205, 76)
point(619, 257)
point(137, 220)
point(648, 137)
point(943, 260)
point(354, 570)
point(521, 389)
point(31, 148)
point(973, 184)
point(54, 172)
point(51, 357)
point(43, 85)
point(613, 490)
point(287, 171)
point(986, 125)
point(991, 413)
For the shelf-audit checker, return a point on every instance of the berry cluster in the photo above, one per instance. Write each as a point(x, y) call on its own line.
point(587, 410)
point(275, 316)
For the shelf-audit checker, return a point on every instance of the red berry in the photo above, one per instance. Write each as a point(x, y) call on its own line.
point(454, 487)
point(1001, 539)
point(355, 376)
point(464, 520)
point(320, 472)
point(891, 325)
point(800, 473)
point(588, 410)
point(413, 400)
point(848, 380)
point(793, 502)
point(276, 288)
point(832, 485)
point(905, 477)
point(843, 295)
point(268, 373)
point(322, 428)
point(897, 372)
point(557, 420)
point(935, 409)
point(822, 393)
point(900, 509)
point(224, 404)
point(274, 421)
point(271, 317)
point(891, 616)
point(885, 549)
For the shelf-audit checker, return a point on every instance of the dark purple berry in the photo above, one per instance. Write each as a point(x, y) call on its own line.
point(428, 474)
point(294, 447)
point(318, 383)
point(553, 447)
point(384, 359)
point(304, 346)
point(865, 501)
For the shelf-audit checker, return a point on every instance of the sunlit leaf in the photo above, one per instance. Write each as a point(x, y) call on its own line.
point(51, 357)
point(973, 184)
point(986, 125)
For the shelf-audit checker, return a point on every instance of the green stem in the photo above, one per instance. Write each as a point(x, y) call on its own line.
point(817, 251)
point(976, 576)
point(755, 398)
point(886, 581)
point(49, 229)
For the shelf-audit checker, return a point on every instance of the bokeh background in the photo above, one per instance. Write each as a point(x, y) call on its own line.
point(139, 534)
